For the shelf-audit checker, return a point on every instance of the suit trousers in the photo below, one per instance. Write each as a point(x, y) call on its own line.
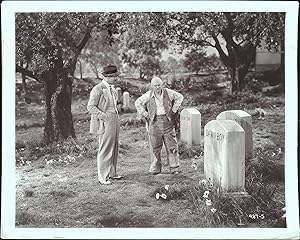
point(162, 132)
point(108, 150)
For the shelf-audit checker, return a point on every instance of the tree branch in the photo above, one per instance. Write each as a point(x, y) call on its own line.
point(223, 56)
point(28, 73)
point(85, 38)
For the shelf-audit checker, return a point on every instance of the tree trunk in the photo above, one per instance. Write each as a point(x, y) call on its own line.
point(58, 91)
point(80, 69)
point(237, 72)
point(24, 84)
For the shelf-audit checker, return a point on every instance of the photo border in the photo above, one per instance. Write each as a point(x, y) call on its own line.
point(8, 203)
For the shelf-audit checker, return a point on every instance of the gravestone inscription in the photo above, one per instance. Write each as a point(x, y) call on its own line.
point(224, 154)
point(190, 126)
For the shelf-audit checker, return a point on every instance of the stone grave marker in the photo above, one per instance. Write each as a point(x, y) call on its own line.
point(126, 100)
point(244, 119)
point(119, 91)
point(224, 154)
point(190, 126)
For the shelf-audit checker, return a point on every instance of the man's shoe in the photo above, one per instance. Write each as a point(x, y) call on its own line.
point(106, 183)
point(116, 177)
point(154, 173)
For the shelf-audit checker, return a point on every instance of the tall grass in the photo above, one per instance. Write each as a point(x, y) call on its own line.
point(66, 151)
point(259, 206)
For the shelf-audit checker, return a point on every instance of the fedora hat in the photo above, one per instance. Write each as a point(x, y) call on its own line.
point(110, 71)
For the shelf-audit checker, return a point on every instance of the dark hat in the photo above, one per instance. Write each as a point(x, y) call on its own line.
point(110, 70)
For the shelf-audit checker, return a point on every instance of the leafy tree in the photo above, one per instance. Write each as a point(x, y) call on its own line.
point(98, 53)
point(195, 60)
point(172, 65)
point(143, 42)
point(234, 35)
point(56, 40)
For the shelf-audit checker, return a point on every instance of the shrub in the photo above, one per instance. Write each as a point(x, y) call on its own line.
point(188, 151)
point(254, 85)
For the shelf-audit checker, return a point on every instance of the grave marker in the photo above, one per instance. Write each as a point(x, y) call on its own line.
point(245, 121)
point(119, 91)
point(224, 154)
point(190, 126)
point(126, 100)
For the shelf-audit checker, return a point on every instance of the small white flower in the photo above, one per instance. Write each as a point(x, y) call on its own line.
point(167, 187)
point(203, 181)
point(164, 196)
point(157, 195)
point(208, 202)
point(213, 210)
point(205, 194)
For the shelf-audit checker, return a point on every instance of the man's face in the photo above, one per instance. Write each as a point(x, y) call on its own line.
point(111, 79)
point(157, 87)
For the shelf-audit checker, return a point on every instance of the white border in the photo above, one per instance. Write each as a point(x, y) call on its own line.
point(8, 229)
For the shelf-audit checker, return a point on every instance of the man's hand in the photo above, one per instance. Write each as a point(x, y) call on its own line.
point(105, 117)
point(145, 114)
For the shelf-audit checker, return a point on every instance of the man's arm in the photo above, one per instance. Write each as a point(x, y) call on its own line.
point(177, 97)
point(140, 104)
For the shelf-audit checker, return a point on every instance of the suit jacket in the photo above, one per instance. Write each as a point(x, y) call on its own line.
point(97, 106)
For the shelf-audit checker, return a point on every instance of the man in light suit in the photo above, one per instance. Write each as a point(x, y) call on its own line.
point(105, 123)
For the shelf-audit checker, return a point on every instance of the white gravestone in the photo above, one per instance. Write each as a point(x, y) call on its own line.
point(126, 100)
point(119, 91)
point(224, 154)
point(190, 126)
point(245, 120)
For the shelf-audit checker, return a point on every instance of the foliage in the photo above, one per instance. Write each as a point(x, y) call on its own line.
point(240, 33)
point(171, 66)
point(98, 53)
point(195, 60)
point(143, 42)
point(71, 31)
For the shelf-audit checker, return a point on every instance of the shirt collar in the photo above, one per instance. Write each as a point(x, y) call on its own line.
point(152, 94)
point(106, 84)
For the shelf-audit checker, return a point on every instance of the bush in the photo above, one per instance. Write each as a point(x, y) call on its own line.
point(254, 85)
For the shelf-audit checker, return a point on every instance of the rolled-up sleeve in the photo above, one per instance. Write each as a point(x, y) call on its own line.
point(93, 103)
point(177, 97)
point(141, 101)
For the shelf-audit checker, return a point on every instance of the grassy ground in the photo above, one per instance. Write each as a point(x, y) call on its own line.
point(56, 186)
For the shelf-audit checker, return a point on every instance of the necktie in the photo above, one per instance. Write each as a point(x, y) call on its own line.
point(113, 92)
